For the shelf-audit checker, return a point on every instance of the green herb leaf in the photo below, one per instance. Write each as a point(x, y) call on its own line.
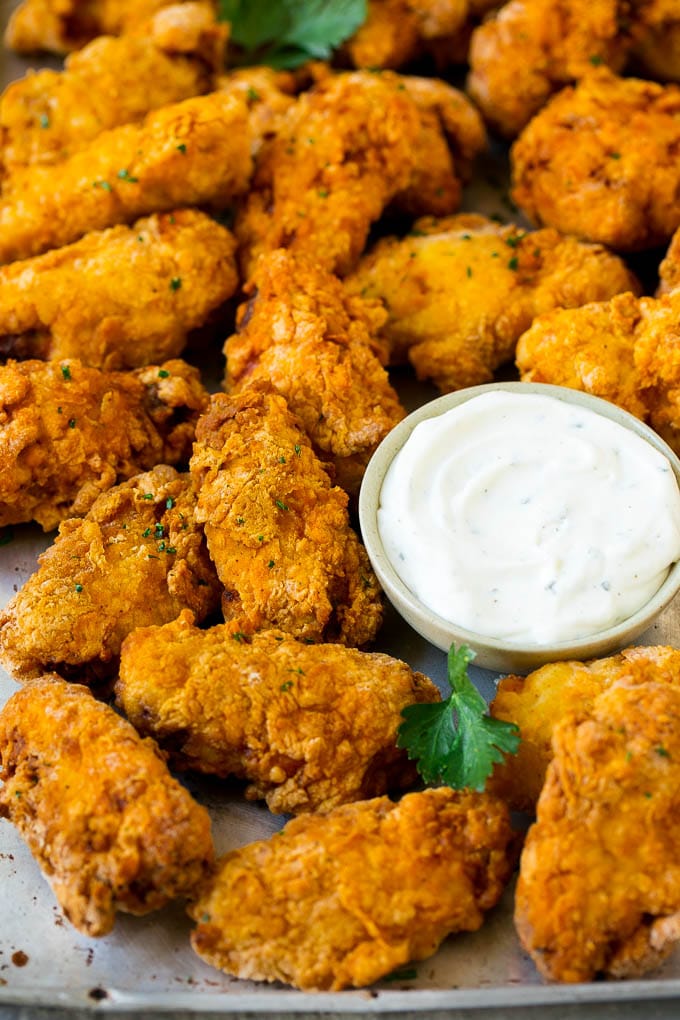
point(455, 741)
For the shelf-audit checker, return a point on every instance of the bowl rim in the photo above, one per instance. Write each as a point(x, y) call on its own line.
point(401, 596)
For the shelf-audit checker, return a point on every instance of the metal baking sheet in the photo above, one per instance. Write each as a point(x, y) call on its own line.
point(147, 963)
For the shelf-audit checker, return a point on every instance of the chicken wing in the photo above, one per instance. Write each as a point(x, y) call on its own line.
point(192, 153)
point(460, 291)
point(342, 899)
point(119, 298)
point(109, 826)
point(599, 886)
point(137, 559)
point(277, 531)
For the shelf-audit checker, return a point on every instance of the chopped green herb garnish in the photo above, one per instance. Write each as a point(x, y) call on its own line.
point(125, 175)
point(298, 449)
point(596, 60)
point(271, 564)
point(169, 503)
point(323, 192)
point(79, 588)
point(148, 495)
point(163, 373)
point(66, 371)
point(615, 155)
point(662, 751)
point(44, 121)
point(146, 532)
point(238, 635)
point(513, 262)
point(469, 271)
point(252, 94)
point(175, 283)
point(260, 538)
point(286, 686)
point(181, 147)
point(171, 550)
point(104, 185)
point(281, 505)
point(513, 240)
point(72, 423)
point(282, 460)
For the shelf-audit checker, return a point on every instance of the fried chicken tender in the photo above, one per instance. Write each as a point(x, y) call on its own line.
point(342, 899)
point(69, 433)
point(460, 291)
point(109, 826)
point(192, 153)
point(600, 161)
point(599, 885)
point(301, 332)
point(119, 298)
point(536, 704)
point(309, 726)
point(48, 115)
point(343, 152)
point(268, 94)
point(277, 531)
point(136, 560)
point(624, 350)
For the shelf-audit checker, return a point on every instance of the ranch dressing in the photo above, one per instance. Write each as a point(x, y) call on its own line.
point(527, 518)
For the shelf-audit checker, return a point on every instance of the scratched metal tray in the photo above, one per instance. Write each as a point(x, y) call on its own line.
point(147, 964)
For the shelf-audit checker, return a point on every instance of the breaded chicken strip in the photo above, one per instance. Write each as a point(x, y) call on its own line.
point(69, 433)
point(48, 115)
point(136, 560)
point(600, 161)
point(109, 826)
point(461, 290)
point(536, 704)
point(314, 344)
point(342, 899)
point(192, 153)
point(119, 298)
point(599, 886)
point(309, 726)
point(277, 530)
point(268, 94)
point(347, 149)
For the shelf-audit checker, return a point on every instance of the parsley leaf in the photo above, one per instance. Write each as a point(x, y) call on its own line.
point(455, 741)
point(286, 33)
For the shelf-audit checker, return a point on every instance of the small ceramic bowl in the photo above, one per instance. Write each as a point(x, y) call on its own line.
point(492, 653)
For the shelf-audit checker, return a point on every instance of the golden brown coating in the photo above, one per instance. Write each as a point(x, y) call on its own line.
point(136, 560)
point(599, 886)
point(192, 153)
point(342, 899)
point(536, 704)
point(119, 298)
point(277, 530)
point(48, 115)
point(309, 726)
point(624, 350)
point(461, 290)
point(109, 826)
point(69, 433)
point(268, 94)
point(600, 161)
point(302, 333)
point(657, 50)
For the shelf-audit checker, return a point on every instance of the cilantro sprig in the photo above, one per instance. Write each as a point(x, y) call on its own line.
point(287, 33)
point(455, 741)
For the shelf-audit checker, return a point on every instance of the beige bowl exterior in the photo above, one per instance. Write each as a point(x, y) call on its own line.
point(490, 653)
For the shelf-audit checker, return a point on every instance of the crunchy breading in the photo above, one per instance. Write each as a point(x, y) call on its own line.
point(277, 530)
point(119, 298)
point(341, 899)
point(461, 290)
point(109, 826)
point(268, 94)
point(137, 559)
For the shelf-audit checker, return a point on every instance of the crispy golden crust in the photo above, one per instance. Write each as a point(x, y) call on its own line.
point(119, 298)
point(277, 530)
point(137, 559)
point(191, 153)
point(599, 885)
point(302, 333)
point(461, 290)
point(397, 31)
point(105, 820)
point(342, 899)
point(600, 161)
point(536, 703)
point(268, 94)
point(309, 726)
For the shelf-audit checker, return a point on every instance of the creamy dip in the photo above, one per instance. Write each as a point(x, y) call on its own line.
point(527, 518)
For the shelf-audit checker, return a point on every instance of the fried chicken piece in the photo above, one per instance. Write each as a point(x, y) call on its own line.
point(342, 899)
point(345, 150)
point(119, 298)
point(277, 531)
point(624, 350)
point(599, 161)
point(69, 433)
point(301, 332)
point(536, 704)
point(48, 115)
point(136, 560)
point(192, 153)
point(460, 291)
point(599, 886)
point(268, 94)
point(657, 50)
point(109, 826)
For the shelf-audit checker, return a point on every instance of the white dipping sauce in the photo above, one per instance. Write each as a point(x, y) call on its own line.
point(523, 517)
